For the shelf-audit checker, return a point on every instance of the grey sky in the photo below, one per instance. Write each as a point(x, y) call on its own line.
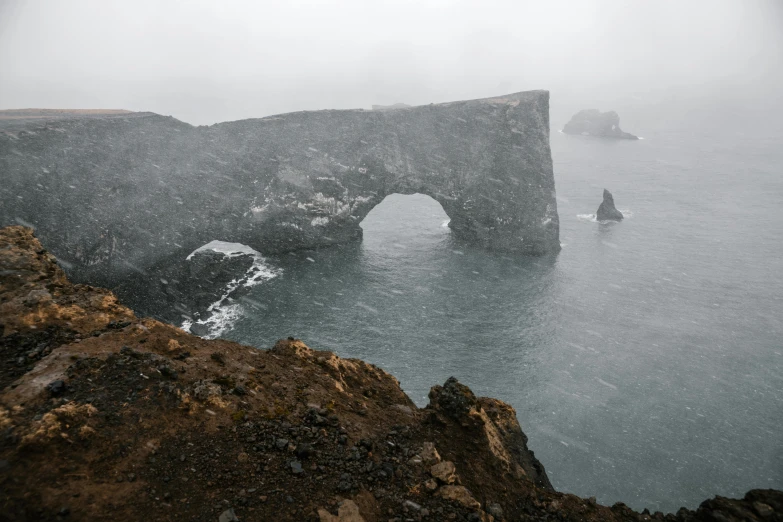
point(213, 61)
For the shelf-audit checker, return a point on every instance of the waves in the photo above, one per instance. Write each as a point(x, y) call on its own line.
point(223, 314)
point(591, 218)
point(587, 217)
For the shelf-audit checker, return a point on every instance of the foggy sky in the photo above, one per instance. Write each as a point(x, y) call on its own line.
point(210, 61)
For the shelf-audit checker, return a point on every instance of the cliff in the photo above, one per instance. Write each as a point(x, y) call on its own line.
point(125, 196)
point(106, 416)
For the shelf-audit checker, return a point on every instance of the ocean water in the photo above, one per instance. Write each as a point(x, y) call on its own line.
point(645, 361)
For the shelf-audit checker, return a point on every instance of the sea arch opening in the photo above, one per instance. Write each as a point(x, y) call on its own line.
point(403, 221)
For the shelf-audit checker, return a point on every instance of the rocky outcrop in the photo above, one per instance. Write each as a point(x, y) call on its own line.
point(193, 288)
point(128, 194)
point(606, 210)
point(592, 122)
point(112, 417)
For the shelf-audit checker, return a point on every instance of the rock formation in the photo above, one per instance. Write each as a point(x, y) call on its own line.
point(105, 416)
point(606, 210)
point(592, 122)
point(130, 195)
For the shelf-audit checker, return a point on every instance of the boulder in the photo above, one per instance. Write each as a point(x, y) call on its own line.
point(444, 471)
point(592, 122)
point(607, 211)
point(459, 495)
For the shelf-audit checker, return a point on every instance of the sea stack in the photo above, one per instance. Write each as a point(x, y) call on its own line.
point(607, 210)
point(592, 122)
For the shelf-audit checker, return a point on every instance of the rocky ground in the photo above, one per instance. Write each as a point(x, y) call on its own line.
point(105, 416)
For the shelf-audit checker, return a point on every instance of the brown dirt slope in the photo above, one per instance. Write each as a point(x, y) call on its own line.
point(104, 416)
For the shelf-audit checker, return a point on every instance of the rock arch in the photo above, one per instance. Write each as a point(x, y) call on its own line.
point(122, 195)
point(487, 162)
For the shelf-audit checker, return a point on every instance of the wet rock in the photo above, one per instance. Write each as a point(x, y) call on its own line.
point(607, 211)
point(202, 330)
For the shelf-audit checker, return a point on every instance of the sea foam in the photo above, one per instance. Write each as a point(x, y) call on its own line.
point(225, 312)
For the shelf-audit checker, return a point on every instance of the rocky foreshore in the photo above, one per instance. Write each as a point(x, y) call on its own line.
point(106, 416)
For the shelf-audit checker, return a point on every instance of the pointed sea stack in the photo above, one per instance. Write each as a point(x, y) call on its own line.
point(607, 210)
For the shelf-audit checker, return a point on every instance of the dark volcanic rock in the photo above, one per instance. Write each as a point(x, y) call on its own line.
point(592, 122)
point(114, 198)
point(607, 211)
point(56, 388)
point(181, 286)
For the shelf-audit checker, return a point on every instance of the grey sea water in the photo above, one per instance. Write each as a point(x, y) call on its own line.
point(645, 361)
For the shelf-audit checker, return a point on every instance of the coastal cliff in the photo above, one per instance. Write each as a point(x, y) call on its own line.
point(105, 416)
point(128, 195)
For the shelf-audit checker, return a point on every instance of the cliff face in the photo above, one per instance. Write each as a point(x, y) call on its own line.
point(124, 194)
point(105, 416)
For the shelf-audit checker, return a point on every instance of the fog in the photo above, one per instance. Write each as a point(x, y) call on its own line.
point(205, 62)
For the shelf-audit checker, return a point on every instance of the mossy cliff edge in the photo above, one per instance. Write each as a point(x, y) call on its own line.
point(106, 416)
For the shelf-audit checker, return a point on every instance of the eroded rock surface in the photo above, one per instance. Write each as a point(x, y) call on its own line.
point(121, 418)
point(131, 194)
point(592, 122)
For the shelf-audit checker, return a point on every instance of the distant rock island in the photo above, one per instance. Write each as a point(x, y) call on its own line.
point(607, 210)
point(592, 122)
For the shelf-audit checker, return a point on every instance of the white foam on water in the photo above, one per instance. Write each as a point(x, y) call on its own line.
point(445, 224)
point(223, 318)
point(593, 219)
point(225, 312)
